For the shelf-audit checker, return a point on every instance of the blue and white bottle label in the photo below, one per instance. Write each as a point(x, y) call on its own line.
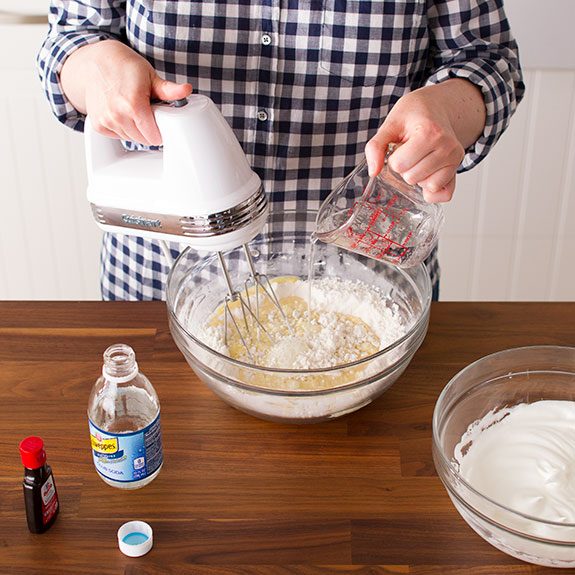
point(127, 457)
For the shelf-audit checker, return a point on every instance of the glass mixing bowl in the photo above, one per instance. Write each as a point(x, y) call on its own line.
point(497, 382)
point(196, 287)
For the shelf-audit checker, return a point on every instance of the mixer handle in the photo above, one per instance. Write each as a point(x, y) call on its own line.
point(102, 150)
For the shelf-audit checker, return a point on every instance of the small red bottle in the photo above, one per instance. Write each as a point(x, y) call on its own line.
point(40, 494)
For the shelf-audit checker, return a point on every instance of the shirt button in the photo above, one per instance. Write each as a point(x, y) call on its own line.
point(266, 39)
point(262, 115)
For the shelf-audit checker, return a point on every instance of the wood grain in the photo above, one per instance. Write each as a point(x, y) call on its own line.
point(238, 495)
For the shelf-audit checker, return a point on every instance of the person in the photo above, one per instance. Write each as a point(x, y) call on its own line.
point(309, 88)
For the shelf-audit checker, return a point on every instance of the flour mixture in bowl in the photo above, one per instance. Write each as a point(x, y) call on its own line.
point(328, 322)
point(367, 320)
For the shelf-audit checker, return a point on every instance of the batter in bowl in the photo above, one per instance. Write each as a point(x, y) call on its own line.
point(346, 320)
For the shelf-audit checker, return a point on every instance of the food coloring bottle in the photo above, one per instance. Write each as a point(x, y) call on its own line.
point(40, 495)
point(124, 419)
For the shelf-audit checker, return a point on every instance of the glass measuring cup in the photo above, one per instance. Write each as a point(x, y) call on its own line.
point(384, 217)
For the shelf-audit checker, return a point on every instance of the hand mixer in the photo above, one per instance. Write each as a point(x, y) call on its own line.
point(199, 190)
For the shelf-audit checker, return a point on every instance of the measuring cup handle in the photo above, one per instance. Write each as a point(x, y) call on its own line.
point(391, 147)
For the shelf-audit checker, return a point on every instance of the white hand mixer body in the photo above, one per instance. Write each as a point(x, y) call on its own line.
point(199, 190)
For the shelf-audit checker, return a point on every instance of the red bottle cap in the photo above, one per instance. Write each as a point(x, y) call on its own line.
point(32, 452)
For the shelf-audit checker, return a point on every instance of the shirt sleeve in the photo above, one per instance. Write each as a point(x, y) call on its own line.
point(71, 26)
point(472, 40)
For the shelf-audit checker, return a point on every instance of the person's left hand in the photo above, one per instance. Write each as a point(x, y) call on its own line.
point(432, 127)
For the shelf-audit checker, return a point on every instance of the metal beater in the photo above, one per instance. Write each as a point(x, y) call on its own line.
point(262, 288)
point(198, 190)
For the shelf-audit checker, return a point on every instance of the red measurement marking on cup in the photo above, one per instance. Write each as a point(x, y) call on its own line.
point(374, 229)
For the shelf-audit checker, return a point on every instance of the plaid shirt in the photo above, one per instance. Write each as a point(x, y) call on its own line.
point(303, 84)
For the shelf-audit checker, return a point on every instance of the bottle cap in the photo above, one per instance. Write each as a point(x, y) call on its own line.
point(32, 452)
point(135, 538)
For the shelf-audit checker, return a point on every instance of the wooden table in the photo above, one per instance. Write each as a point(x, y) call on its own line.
point(236, 494)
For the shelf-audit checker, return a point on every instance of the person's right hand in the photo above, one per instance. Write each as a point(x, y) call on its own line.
point(114, 86)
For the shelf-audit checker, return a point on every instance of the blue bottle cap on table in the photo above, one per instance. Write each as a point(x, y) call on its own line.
point(135, 538)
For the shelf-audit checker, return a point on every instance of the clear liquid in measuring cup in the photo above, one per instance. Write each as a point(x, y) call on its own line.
point(384, 234)
point(383, 218)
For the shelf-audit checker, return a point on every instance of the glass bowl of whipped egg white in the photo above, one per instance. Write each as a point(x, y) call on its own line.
point(504, 447)
point(338, 341)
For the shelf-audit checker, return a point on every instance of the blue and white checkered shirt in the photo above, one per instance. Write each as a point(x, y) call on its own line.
point(303, 84)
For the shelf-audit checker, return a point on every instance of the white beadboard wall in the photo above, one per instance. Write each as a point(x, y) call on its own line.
point(49, 245)
point(509, 233)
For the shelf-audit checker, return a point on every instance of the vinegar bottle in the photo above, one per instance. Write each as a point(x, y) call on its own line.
point(124, 419)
